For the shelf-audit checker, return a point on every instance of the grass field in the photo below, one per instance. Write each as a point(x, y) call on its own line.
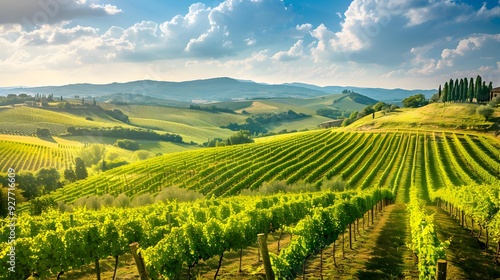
point(433, 116)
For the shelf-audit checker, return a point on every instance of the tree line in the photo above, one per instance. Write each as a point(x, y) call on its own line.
point(255, 123)
point(465, 90)
point(125, 133)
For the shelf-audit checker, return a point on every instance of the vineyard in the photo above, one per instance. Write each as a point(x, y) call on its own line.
point(33, 157)
point(363, 159)
point(174, 236)
point(460, 171)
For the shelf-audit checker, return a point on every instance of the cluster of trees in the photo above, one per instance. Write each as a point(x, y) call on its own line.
point(15, 99)
point(45, 180)
point(370, 110)
point(117, 115)
point(212, 109)
point(255, 123)
point(333, 113)
point(125, 133)
point(127, 144)
point(415, 101)
point(241, 137)
point(465, 90)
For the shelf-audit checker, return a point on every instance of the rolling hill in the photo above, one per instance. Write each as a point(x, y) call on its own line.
point(216, 89)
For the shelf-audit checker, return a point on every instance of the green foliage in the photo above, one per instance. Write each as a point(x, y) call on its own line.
point(241, 137)
point(142, 200)
point(48, 178)
point(80, 169)
point(126, 133)
point(41, 204)
point(415, 101)
point(70, 175)
point(121, 201)
point(92, 154)
point(332, 113)
point(174, 193)
point(127, 144)
point(485, 111)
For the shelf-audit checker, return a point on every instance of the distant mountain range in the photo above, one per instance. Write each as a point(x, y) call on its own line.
point(216, 89)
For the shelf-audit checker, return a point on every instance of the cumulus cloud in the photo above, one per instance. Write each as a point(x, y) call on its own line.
point(294, 53)
point(378, 31)
point(233, 24)
point(31, 14)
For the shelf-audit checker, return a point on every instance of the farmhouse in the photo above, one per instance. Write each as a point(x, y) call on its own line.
point(331, 123)
point(495, 93)
point(30, 103)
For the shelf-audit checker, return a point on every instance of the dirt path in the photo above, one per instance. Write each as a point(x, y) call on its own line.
point(466, 259)
point(380, 253)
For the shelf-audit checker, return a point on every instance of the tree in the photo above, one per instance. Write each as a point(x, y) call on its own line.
point(471, 90)
point(461, 93)
point(28, 183)
point(414, 101)
point(444, 96)
point(490, 88)
point(466, 89)
point(439, 92)
point(353, 115)
point(48, 178)
point(483, 95)
point(80, 169)
point(478, 88)
point(70, 175)
point(486, 111)
point(450, 88)
point(241, 137)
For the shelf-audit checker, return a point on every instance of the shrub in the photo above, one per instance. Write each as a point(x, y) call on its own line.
point(127, 144)
point(121, 201)
point(142, 200)
point(179, 194)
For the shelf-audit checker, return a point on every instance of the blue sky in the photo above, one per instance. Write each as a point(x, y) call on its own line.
point(391, 44)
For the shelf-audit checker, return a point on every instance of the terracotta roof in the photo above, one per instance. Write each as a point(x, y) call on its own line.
point(496, 89)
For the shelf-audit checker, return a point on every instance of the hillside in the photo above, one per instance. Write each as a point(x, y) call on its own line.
point(216, 89)
point(362, 159)
point(382, 94)
point(434, 116)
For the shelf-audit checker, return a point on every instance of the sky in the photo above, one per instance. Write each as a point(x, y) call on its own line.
point(411, 44)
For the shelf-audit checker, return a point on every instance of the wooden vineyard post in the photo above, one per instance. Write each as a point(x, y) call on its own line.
point(441, 270)
point(350, 236)
point(265, 256)
point(139, 261)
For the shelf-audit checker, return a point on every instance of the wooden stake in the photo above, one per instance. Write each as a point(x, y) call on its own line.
point(97, 269)
point(139, 261)
point(335, 249)
point(265, 256)
point(350, 236)
point(441, 270)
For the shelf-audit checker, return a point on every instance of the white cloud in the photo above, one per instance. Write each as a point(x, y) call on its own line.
point(32, 14)
point(294, 53)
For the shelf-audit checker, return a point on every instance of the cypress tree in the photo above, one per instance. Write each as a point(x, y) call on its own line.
point(80, 170)
point(444, 95)
point(439, 92)
point(466, 89)
point(471, 89)
point(450, 91)
point(456, 90)
point(461, 91)
point(478, 89)
point(490, 88)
